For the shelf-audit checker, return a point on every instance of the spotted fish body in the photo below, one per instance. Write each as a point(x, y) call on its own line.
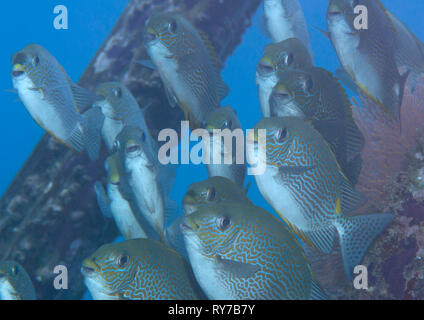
point(240, 251)
point(278, 57)
point(112, 203)
point(120, 108)
point(141, 174)
point(284, 19)
point(138, 269)
point(368, 55)
point(15, 284)
point(185, 62)
point(54, 101)
point(315, 95)
point(224, 118)
point(305, 185)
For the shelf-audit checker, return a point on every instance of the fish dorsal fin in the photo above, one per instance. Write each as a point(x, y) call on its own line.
point(340, 89)
point(237, 269)
point(350, 199)
point(389, 18)
point(209, 46)
point(321, 240)
point(222, 88)
point(354, 138)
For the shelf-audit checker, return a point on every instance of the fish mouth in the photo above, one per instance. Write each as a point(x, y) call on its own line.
point(17, 70)
point(150, 36)
point(188, 208)
point(334, 13)
point(188, 225)
point(89, 268)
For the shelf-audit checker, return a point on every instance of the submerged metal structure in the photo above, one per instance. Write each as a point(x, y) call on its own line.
point(49, 214)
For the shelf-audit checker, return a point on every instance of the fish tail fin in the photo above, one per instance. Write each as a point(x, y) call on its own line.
point(357, 234)
point(317, 293)
point(93, 122)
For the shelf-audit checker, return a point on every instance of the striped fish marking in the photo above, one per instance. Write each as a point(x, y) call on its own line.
point(139, 269)
point(314, 202)
point(240, 251)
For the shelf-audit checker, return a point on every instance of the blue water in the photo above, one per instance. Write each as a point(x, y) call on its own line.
point(90, 21)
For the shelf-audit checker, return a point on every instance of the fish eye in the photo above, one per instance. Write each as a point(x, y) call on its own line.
point(14, 270)
point(288, 59)
point(224, 223)
point(132, 148)
point(211, 194)
point(172, 26)
point(122, 260)
point(117, 92)
point(35, 61)
point(281, 134)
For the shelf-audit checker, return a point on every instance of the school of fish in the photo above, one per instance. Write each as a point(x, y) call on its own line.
point(222, 246)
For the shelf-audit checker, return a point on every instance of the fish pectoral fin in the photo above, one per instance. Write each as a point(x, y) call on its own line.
point(323, 32)
point(172, 98)
point(237, 269)
point(102, 200)
point(40, 89)
point(350, 199)
point(147, 63)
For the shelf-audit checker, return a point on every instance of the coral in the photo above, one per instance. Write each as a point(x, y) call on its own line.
point(385, 173)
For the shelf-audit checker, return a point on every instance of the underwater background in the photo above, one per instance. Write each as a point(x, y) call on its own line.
point(90, 22)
